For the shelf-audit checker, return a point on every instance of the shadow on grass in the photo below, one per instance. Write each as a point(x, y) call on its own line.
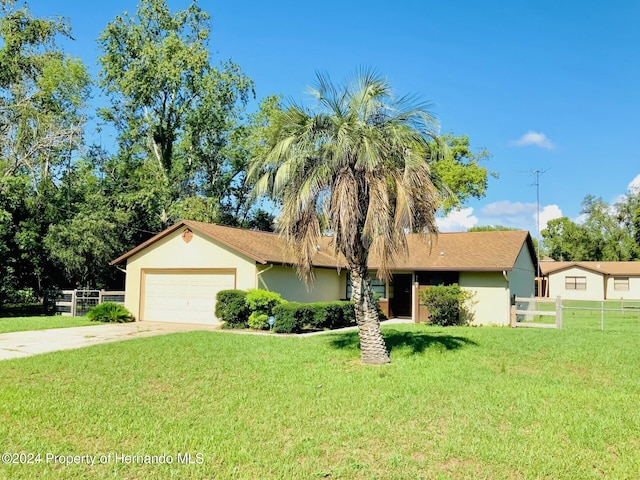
point(416, 342)
point(23, 310)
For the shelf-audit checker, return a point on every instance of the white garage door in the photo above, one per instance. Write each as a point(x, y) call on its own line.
point(185, 297)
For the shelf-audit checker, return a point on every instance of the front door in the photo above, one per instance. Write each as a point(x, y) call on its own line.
point(400, 301)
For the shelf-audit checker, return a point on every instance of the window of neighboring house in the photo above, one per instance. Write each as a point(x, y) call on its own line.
point(378, 286)
point(575, 283)
point(621, 283)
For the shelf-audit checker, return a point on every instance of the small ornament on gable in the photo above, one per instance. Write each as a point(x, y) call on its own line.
point(187, 235)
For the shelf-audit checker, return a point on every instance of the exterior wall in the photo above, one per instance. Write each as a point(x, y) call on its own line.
point(492, 296)
point(632, 294)
point(173, 252)
point(522, 277)
point(594, 290)
point(329, 284)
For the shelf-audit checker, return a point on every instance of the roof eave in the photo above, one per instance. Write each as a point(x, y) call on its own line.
point(177, 226)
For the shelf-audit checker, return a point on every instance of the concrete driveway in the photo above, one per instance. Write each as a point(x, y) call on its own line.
point(25, 344)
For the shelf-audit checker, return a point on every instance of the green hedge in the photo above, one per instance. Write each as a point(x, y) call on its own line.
point(232, 308)
point(252, 309)
point(292, 317)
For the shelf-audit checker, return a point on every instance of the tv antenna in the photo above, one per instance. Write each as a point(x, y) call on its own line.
point(537, 172)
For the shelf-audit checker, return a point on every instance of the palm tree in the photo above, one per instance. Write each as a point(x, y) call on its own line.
point(358, 166)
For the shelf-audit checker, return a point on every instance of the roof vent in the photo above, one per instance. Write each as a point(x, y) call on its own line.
point(442, 254)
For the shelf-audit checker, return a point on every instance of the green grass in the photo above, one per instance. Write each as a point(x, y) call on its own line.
point(454, 403)
point(20, 324)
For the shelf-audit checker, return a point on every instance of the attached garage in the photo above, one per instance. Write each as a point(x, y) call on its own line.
point(176, 275)
point(183, 295)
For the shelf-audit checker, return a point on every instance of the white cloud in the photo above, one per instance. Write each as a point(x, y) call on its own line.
point(458, 220)
point(634, 185)
point(632, 188)
point(548, 213)
point(536, 139)
point(580, 219)
point(507, 208)
point(518, 215)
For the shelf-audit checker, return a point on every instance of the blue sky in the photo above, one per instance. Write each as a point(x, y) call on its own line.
point(543, 85)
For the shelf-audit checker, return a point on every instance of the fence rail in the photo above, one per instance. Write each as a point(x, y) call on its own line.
point(76, 303)
point(623, 315)
point(527, 312)
point(603, 314)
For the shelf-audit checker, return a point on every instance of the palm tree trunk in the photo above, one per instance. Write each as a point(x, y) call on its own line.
point(372, 347)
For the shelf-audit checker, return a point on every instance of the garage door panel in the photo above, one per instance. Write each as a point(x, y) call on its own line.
point(188, 297)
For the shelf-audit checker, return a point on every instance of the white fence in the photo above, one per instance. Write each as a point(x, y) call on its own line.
point(536, 312)
point(623, 315)
point(77, 303)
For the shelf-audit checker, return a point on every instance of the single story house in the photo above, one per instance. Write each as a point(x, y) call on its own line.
point(591, 280)
point(175, 275)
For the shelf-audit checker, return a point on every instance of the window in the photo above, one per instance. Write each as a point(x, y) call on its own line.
point(621, 283)
point(575, 283)
point(378, 286)
point(437, 278)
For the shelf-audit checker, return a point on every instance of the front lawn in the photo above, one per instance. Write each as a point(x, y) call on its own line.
point(454, 403)
point(20, 324)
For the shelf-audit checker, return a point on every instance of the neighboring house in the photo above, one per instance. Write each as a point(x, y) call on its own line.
point(591, 280)
point(175, 275)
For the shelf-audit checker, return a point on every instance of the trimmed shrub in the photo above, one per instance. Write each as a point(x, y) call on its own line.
point(232, 308)
point(261, 304)
point(262, 300)
point(448, 305)
point(259, 321)
point(333, 314)
point(349, 313)
point(289, 317)
point(292, 317)
point(110, 312)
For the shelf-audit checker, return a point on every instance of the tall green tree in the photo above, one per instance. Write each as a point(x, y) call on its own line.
point(607, 232)
point(43, 94)
point(43, 97)
point(628, 214)
point(612, 231)
point(459, 169)
point(564, 240)
point(360, 159)
point(172, 109)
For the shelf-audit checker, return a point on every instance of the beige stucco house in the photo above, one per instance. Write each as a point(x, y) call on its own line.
point(591, 280)
point(175, 275)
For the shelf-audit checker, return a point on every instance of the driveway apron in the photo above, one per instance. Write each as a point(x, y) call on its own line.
point(33, 342)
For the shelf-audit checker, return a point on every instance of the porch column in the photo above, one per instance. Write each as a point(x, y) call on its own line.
point(415, 303)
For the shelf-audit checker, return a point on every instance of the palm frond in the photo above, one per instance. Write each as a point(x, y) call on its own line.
point(360, 160)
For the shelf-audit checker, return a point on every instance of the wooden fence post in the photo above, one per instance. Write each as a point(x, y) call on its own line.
point(558, 312)
point(73, 303)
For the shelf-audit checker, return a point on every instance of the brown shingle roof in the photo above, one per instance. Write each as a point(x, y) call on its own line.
point(463, 251)
point(467, 251)
point(263, 247)
point(607, 268)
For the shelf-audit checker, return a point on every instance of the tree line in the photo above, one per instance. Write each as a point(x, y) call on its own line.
point(603, 232)
point(184, 145)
